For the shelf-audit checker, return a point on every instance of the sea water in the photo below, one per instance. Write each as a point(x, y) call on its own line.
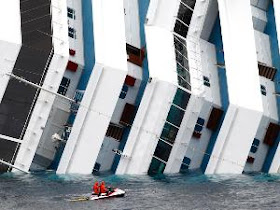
point(46, 190)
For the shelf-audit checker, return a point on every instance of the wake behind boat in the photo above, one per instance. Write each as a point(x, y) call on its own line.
point(115, 193)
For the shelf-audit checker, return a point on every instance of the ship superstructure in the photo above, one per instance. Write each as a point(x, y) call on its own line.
point(140, 86)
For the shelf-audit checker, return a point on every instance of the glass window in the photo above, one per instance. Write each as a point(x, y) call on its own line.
point(133, 50)
point(184, 168)
point(181, 98)
point(175, 116)
point(263, 90)
point(185, 164)
point(183, 77)
point(181, 58)
point(199, 125)
point(72, 32)
point(255, 145)
point(187, 160)
point(206, 81)
point(198, 128)
point(183, 18)
point(71, 13)
point(200, 121)
point(182, 62)
point(123, 92)
point(63, 86)
point(156, 167)
point(180, 45)
point(79, 95)
point(253, 149)
point(256, 142)
point(163, 150)
point(169, 133)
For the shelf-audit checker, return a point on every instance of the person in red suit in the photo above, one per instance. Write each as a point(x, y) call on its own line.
point(95, 189)
point(102, 188)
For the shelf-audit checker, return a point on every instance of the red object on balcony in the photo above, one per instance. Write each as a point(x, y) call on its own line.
point(72, 52)
point(196, 135)
point(135, 55)
point(71, 66)
point(135, 59)
point(130, 81)
point(271, 134)
point(214, 119)
point(127, 115)
point(250, 159)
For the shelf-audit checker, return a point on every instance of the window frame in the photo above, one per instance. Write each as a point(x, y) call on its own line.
point(263, 90)
point(206, 81)
point(64, 87)
point(71, 13)
point(124, 92)
point(72, 32)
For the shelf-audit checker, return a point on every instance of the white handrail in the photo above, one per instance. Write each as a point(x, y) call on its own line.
point(10, 138)
point(13, 166)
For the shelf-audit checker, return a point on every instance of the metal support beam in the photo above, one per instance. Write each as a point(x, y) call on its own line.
point(10, 138)
point(10, 165)
point(39, 87)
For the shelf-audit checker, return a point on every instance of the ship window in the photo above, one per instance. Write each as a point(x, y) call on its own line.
point(256, 142)
point(63, 87)
point(187, 160)
point(72, 32)
point(198, 128)
point(175, 116)
point(169, 133)
point(184, 168)
point(263, 90)
point(133, 50)
point(253, 149)
point(163, 150)
point(156, 167)
point(200, 121)
point(185, 165)
point(181, 98)
point(255, 145)
point(123, 92)
point(206, 81)
point(71, 13)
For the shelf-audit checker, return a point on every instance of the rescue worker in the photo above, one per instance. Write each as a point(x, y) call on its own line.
point(103, 189)
point(95, 189)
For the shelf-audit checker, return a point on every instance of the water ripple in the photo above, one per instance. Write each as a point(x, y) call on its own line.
point(46, 190)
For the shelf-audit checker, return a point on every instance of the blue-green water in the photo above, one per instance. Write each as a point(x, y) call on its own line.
point(49, 191)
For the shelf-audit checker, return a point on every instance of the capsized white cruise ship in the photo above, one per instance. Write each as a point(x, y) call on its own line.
point(140, 86)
